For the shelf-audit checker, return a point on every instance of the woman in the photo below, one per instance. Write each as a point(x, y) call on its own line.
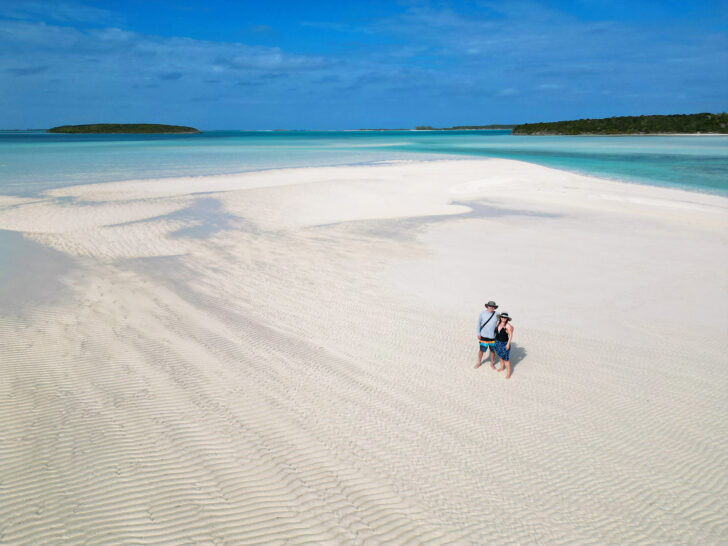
point(503, 337)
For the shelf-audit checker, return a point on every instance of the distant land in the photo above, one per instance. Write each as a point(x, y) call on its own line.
point(631, 125)
point(463, 127)
point(126, 128)
point(455, 128)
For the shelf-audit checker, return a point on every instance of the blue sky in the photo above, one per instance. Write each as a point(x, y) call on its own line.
point(335, 65)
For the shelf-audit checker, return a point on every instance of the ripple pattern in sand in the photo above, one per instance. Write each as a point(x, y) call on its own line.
point(269, 386)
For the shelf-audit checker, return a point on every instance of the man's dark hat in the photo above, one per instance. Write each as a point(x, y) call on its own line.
point(504, 315)
point(491, 303)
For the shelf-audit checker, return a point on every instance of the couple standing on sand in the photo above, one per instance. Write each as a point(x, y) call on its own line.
point(495, 333)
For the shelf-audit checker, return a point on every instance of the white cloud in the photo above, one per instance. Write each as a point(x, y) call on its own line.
point(549, 86)
point(64, 12)
point(98, 53)
point(419, 60)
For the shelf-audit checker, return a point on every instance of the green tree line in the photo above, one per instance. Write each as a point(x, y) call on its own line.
point(127, 128)
point(630, 125)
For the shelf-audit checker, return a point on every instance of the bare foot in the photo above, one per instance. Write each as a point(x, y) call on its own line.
point(492, 365)
point(500, 369)
point(508, 375)
point(478, 365)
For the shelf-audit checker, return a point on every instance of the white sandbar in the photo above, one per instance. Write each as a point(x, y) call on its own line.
point(287, 356)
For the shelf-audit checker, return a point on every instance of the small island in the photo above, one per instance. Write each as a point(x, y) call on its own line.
point(464, 128)
point(124, 128)
point(631, 125)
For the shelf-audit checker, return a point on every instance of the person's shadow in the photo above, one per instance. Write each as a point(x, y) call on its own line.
point(518, 355)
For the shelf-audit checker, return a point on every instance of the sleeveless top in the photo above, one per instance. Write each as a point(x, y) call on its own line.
point(501, 335)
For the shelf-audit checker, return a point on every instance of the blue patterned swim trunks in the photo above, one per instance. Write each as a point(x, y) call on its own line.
point(501, 351)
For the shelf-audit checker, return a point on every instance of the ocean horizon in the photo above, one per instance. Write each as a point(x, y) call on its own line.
point(33, 161)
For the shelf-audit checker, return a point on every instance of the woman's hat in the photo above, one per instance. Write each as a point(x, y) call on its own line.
point(491, 303)
point(504, 315)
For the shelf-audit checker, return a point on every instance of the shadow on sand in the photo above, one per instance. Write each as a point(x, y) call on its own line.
point(518, 354)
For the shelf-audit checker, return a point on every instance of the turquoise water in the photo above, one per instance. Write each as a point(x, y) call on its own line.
point(33, 162)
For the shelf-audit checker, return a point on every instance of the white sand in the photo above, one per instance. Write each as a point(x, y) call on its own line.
point(287, 357)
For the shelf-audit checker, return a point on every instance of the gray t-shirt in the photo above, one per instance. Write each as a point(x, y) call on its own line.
point(489, 329)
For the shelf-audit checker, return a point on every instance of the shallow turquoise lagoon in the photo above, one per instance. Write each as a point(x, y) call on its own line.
point(33, 162)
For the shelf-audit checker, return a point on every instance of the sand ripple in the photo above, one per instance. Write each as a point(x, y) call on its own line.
point(288, 379)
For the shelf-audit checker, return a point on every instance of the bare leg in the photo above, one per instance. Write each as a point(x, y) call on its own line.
point(492, 358)
point(480, 359)
point(507, 364)
point(502, 365)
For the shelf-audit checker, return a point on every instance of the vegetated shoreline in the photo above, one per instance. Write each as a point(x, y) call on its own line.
point(676, 124)
point(562, 128)
point(123, 128)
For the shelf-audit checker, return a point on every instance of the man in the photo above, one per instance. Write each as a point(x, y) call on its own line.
point(486, 333)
